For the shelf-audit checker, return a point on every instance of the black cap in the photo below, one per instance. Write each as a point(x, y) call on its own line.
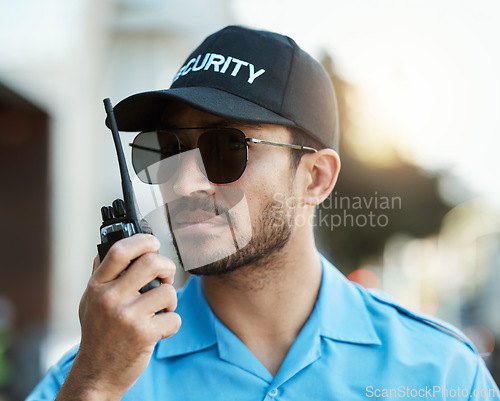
point(245, 75)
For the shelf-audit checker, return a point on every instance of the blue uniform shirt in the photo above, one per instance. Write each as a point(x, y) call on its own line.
point(357, 344)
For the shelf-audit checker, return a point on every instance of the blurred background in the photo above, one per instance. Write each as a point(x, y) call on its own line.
point(416, 211)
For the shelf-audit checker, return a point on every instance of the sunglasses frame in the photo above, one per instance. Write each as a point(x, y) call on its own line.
point(247, 139)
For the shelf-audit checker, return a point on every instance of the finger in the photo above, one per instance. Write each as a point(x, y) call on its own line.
point(166, 324)
point(162, 297)
point(146, 268)
point(96, 263)
point(121, 254)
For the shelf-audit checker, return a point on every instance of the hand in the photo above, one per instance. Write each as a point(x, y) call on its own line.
point(119, 325)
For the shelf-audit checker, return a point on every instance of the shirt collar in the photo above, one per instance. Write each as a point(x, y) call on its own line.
point(197, 331)
point(340, 313)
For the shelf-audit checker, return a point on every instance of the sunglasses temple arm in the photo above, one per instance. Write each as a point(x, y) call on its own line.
point(283, 145)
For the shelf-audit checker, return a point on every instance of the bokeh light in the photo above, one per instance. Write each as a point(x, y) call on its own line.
point(365, 278)
point(482, 338)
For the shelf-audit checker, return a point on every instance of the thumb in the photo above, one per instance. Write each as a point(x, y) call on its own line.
point(96, 263)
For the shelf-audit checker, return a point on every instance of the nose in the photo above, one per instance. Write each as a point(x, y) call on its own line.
point(191, 177)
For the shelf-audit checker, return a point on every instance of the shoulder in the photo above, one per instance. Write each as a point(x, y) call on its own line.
point(431, 325)
point(438, 350)
point(422, 336)
point(398, 328)
point(394, 324)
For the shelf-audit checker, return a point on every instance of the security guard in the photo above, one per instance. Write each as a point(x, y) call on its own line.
point(268, 320)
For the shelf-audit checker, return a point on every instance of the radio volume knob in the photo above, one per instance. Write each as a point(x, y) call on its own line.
point(119, 208)
point(106, 213)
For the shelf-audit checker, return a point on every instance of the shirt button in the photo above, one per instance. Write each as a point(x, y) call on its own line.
point(273, 392)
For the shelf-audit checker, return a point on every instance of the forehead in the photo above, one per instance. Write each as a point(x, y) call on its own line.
point(180, 115)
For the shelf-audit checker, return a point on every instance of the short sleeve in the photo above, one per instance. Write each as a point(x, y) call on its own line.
point(51, 383)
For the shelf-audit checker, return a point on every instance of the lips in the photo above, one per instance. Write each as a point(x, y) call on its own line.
point(200, 218)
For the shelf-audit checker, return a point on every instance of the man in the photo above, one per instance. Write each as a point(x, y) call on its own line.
point(273, 319)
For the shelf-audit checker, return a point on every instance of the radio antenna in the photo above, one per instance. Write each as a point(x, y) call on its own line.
point(128, 193)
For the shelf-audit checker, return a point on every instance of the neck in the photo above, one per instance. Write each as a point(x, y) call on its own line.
point(266, 306)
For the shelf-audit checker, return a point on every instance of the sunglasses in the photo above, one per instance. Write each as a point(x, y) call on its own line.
point(224, 153)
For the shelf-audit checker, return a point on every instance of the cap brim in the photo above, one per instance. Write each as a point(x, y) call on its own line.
point(143, 111)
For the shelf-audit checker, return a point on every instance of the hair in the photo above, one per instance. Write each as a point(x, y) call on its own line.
point(299, 137)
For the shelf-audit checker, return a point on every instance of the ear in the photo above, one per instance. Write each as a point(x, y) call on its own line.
point(320, 171)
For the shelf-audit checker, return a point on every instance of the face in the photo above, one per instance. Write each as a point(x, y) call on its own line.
point(220, 228)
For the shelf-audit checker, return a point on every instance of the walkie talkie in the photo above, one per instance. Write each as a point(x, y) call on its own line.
point(120, 220)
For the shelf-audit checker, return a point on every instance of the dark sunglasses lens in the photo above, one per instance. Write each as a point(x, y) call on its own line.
point(224, 154)
point(148, 149)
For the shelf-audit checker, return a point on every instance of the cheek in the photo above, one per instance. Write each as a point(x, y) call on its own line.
point(265, 180)
point(267, 168)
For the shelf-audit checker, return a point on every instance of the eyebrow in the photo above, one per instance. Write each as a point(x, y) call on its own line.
point(227, 123)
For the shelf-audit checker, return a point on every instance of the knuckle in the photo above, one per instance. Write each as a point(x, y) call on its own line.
point(174, 324)
point(176, 321)
point(96, 262)
point(168, 265)
point(108, 300)
point(121, 314)
point(155, 242)
point(166, 268)
point(93, 285)
point(159, 265)
point(124, 317)
point(170, 291)
point(116, 252)
point(148, 241)
point(170, 296)
point(140, 331)
point(150, 259)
